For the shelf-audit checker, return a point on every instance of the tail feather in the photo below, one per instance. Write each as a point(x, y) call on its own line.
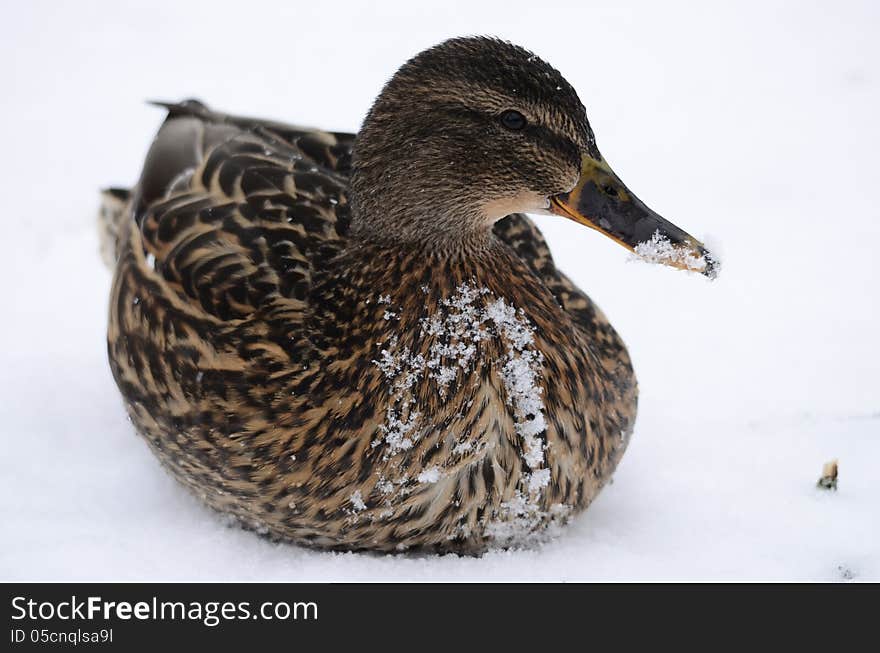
point(114, 208)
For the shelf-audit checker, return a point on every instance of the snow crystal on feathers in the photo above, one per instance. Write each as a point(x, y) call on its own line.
point(464, 320)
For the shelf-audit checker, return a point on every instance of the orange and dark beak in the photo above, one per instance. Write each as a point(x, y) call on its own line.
point(602, 202)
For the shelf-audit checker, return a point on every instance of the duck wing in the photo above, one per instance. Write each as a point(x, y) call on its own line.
point(234, 212)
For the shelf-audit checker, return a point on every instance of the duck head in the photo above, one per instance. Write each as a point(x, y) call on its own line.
point(475, 129)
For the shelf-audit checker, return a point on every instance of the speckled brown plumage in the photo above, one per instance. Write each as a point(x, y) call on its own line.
point(247, 333)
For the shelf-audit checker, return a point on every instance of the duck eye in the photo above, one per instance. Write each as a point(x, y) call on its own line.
point(513, 120)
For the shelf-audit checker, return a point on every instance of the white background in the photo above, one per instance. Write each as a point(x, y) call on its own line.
point(754, 125)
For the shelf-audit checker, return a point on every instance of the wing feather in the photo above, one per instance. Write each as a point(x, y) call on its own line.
point(233, 210)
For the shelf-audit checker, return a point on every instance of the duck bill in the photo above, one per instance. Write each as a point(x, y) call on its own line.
point(602, 202)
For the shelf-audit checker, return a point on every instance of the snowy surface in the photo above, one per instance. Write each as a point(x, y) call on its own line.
point(754, 127)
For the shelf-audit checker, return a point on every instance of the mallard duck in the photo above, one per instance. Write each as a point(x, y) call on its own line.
point(361, 342)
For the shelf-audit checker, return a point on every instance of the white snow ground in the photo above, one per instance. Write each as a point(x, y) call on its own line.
point(755, 125)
